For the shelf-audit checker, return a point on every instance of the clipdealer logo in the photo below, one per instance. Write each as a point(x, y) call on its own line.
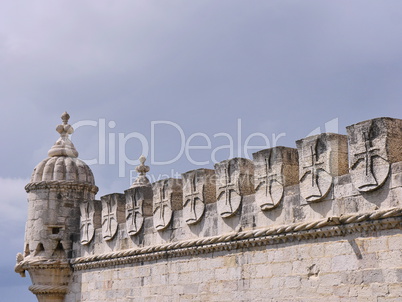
point(112, 146)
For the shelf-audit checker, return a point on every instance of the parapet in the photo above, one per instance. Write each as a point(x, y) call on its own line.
point(329, 185)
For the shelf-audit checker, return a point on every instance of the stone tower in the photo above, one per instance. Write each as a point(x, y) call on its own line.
point(59, 184)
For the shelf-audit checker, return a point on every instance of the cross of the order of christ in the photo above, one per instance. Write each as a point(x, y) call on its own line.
point(367, 155)
point(134, 210)
point(226, 189)
point(86, 222)
point(191, 198)
point(313, 169)
point(162, 203)
point(108, 216)
point(268, 177)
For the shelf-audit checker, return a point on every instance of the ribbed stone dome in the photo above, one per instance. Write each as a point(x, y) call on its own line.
point(62, 167)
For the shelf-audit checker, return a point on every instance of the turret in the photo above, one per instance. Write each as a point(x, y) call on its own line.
point(59, 184)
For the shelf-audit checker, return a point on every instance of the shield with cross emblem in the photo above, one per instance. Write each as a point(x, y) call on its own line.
point(228, 189)
point(87, 222)
point(193, 197)
point(134, 212)
point(109, 216)
point(315, 177)
point(268, 178)
point(368, 158)
point(162, 213)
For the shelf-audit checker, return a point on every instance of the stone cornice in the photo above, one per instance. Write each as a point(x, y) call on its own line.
point(323, 228)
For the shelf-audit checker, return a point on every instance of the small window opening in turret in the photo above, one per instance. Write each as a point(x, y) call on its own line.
point(55, 230)
point(27, 252)
point(59, 196)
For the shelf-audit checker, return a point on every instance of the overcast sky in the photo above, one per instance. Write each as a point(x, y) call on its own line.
point(281, 68)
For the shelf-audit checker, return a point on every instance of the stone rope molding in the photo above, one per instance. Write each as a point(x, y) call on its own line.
point(48, 289)
point(371, 221)
point(25, 264)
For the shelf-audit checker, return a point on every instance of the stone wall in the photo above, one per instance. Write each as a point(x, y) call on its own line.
point(356, 267)
point(322, 221)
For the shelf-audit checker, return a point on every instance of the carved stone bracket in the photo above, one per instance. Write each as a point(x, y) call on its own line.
point(234, 179)
point(321, 157)
point(274, 169)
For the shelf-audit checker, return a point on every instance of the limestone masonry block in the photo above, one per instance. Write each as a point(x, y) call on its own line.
point(274, 169)
point(199, 188)
point(373, 146)
point(234, 179)
point(321, 157)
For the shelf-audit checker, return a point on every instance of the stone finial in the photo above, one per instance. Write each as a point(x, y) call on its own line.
point(63, 146)
point(142, 169)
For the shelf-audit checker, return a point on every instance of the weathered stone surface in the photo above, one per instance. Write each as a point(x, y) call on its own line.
point(274, 169)
point(58, 186)
point(234, 179)
point(321, 157)
point(373, 146)
point(87, 210)
point(198, 190)
point(113, 213)
point(138, 206)
point(344, 248)
point(167, 197)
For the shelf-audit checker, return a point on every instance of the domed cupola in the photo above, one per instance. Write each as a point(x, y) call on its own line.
point(62, 167)
point(58, 185)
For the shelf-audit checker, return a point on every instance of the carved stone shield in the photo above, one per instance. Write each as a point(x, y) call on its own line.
point(109, 216)
point(193, 197)
point(234, 178)
point(134, 211)
point(315, 179)
point(369, 163)
point(162, 204)
point(87, 210)
point(268, 178)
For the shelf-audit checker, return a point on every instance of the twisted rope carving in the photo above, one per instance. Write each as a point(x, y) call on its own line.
point(230, 241)
point(48, 289)
point(23, 265)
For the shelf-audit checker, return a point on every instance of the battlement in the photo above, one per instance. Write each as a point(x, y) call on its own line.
point(330, 185)
point(318, 222)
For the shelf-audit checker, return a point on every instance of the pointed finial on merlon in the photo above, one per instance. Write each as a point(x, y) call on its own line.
point(142, 169)
point(63, 146)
